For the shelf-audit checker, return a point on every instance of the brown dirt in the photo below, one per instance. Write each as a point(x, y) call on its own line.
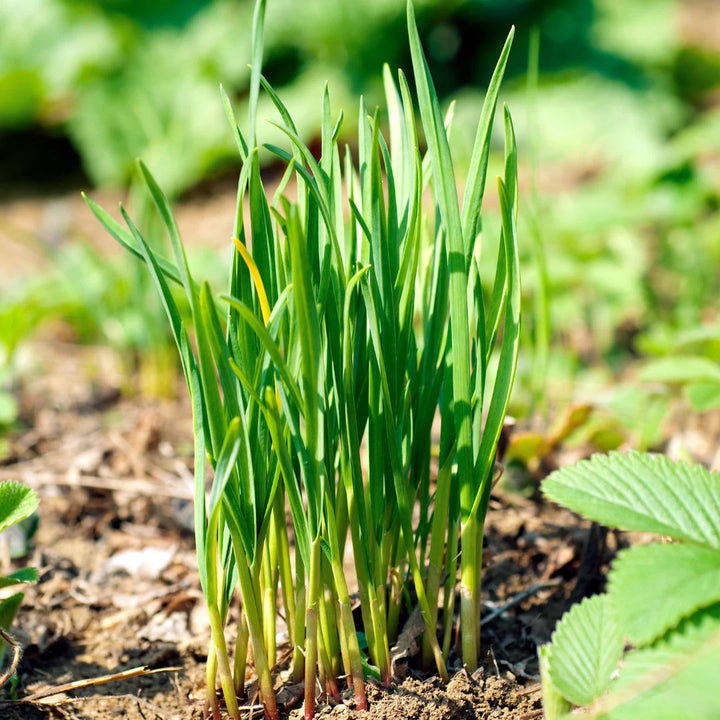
point(118, 586)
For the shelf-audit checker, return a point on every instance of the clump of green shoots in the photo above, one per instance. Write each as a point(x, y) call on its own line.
point(353, 318)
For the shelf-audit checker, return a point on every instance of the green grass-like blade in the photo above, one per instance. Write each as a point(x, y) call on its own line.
point(644, 492)
point(128, 241)
point(173, 314)
point(163, 207)
point(446, 191)
point(258, 27)
point(475, 187)
point(308, 330)
point(224, 466)
point(200, 517)
point(237, 134)
point(507, 363)
point(215, 416)
point(270, 346)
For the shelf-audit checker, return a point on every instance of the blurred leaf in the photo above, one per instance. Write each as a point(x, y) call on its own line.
point(678, 369)
point(703, 396)
point(8, 409)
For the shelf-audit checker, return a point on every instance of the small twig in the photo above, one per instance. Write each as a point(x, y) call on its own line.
point(252, 705)
point(132, 485)
point(518, 599)
point(17, 654)
point(90, 682)
point(56, 705)
point(497, 669)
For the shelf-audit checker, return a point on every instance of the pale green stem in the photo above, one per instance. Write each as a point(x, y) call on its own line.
point(241, 650)
point(469, 630)
point(210, 677)
point(348, 637)
point(255, 627)
point(298, 658)
point(328, 637)
point(379, 622)
point(375, 633)
point(451, 563)
point(438, 543)
point(311, 629)
point(285, 568)
point(223, 662)
point(269, 602)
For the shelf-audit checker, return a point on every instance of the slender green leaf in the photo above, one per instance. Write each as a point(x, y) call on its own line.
point(475, 187)
point(446, 190)
point(128, 241)
point(225, 464)
point(256, 67)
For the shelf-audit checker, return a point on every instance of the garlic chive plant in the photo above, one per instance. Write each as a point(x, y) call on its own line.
point(354, 317)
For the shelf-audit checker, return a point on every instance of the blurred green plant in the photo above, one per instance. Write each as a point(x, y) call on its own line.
point(17, 502)
point(69, 64)
point(93, 300)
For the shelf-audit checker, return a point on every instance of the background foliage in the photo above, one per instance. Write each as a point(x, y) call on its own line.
point(620, 168)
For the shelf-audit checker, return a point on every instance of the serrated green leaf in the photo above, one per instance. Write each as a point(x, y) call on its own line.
point(675, 679)
point(639, 491)
point(681, 369)
point(17, 501)
point(585, 650)
point(680, 579)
